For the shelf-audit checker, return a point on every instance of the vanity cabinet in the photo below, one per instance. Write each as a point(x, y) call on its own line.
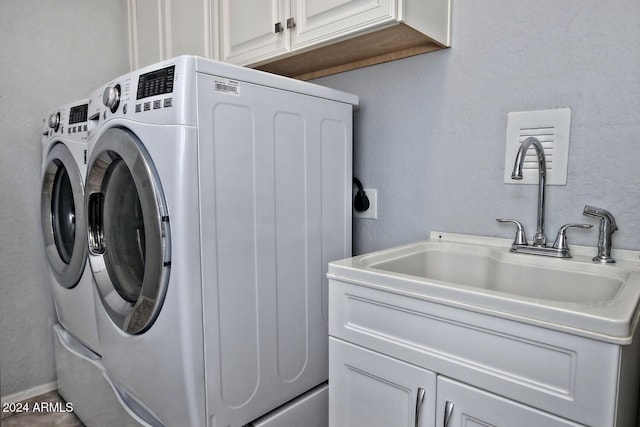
point(374, 390)
point(387, 345)
point(311, 38)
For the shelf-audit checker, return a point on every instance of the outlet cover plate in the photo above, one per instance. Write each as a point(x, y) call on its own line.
point(551, 127)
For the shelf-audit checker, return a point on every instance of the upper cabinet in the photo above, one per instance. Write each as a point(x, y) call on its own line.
point(161, 29)
point(312, 38)
point(296, 38)
point(253, 30)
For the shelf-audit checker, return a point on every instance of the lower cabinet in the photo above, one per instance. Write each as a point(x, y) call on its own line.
point(462, 405)
point(370, 389)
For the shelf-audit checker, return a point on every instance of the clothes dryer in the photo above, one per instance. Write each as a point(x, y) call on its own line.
point(216, 195)
point(64, 154)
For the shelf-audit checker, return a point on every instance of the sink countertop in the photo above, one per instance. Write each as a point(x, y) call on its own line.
point(613, 320)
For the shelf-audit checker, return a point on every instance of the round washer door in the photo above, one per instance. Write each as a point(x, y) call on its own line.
point(63, 222)
point(128, 230)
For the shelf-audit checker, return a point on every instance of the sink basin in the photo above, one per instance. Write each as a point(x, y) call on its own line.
point(481, 274)
point(489, 272)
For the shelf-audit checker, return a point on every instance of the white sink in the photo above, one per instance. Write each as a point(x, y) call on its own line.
point(488, 271)
point(480, 273)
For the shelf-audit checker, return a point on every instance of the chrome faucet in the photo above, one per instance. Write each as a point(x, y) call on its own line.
point(539, 239)
point(608, 226)
point(560, 248)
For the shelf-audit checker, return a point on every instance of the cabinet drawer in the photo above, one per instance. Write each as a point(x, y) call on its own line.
point(539, 367)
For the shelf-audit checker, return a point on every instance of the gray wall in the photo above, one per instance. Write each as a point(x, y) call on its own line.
point(52, 53)
point(430, 134)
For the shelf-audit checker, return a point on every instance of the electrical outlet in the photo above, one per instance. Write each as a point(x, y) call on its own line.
point(372, 212)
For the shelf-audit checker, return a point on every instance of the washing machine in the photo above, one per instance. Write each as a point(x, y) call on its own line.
point(216, 195)
point(64, 154)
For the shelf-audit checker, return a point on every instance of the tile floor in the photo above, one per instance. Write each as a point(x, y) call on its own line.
point(45, 410)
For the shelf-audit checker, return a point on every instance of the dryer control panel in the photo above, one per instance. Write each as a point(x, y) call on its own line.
point(78, 114)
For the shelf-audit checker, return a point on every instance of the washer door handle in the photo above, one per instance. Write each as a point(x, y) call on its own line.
point(96, 223)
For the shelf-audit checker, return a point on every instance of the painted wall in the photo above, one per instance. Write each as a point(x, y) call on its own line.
point(52, 53)
point(430, 134)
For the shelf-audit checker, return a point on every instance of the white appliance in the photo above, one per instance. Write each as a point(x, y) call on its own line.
point(81, 379)
point(64, 151)
point(216, 196)
point(83, 383)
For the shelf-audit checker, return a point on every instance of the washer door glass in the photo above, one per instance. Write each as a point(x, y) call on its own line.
point(63, 222)
point(124, 228)
point(128, 226)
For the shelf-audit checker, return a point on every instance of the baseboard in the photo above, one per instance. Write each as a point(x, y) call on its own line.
point(28, 394)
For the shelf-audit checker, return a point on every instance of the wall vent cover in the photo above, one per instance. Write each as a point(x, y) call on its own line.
point(551, 127)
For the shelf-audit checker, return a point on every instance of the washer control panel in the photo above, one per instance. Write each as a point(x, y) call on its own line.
point(156, 94)
point(158, 82)
point(111, 97)
point(153, 84)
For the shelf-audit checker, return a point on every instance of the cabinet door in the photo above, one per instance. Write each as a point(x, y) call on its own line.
point(368, 389)
point(319, 21)
point(146, 21)
point(161, 29)
point(248, 31)
point(461, 405)
point(188, 29)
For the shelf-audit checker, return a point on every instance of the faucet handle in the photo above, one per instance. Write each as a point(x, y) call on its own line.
point(521, 238)
point(561, 238)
